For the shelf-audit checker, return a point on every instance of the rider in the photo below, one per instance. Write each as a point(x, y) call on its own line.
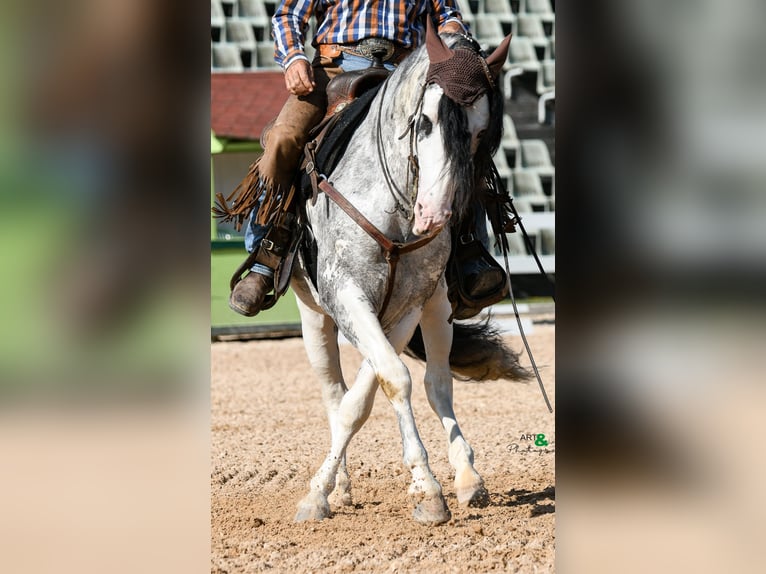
point(346, 33)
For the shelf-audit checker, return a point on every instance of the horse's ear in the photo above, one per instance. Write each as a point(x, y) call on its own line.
point(438, 51)
point(497, 58)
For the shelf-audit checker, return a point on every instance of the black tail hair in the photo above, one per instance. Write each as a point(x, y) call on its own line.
point(478, 353)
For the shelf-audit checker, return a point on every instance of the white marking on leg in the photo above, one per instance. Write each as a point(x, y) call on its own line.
point(437, 338)
point(320, 337)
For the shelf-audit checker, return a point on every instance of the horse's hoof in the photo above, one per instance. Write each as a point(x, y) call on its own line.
point(475, 496)
point(341, 498)
point(470, 490)
point(313, 507)
point(432, 511)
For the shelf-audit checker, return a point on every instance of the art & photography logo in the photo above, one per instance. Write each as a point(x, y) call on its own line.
point(532, 443)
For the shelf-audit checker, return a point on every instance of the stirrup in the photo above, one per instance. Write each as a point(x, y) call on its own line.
point(276, 251)
point(467, 250)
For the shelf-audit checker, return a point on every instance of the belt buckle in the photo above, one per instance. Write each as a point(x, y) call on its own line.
point(369, 45)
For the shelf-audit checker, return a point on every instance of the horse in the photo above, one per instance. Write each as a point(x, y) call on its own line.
point(377, 303)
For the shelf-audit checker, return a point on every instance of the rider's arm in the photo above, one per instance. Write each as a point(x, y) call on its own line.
point(448, 16)
point(289, 23)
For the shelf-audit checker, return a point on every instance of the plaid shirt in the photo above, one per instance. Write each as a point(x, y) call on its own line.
point(348, 21)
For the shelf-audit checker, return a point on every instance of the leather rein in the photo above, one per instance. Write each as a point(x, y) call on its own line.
point(392, 250)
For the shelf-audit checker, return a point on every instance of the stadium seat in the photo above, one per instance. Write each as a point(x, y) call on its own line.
point(216, 21)
point(226, 58)
point(531, 26)
point(489, 31)
point(543, 105)
point(522, 54)
point(534, 156)
point(475, 6)
point(503, 170)
point(515, 240)
point(546, 79)
point(229, 8)
point(540, 7)
point(266, 56)
point(501, 10)
point(510, 141)
point(550, 49)
point(271, 6)
point(528, 187)
point(240, 32)
point(547, 241)
point(254, 12)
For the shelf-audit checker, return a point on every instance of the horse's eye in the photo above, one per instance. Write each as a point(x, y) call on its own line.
point(424, 126)
point(480, 135)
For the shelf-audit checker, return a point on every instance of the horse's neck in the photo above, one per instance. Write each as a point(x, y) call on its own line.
point(390, 130)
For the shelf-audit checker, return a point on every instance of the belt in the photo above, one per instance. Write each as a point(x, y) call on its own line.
point(365, 48)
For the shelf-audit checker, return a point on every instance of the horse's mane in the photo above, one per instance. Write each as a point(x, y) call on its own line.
point(466, 173)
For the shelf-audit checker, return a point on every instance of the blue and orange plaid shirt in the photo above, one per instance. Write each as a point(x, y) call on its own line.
point(348, 21)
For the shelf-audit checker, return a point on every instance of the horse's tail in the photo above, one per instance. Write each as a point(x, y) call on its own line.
point(478, 353)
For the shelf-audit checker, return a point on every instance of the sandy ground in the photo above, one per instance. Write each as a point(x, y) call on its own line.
point(270, 434)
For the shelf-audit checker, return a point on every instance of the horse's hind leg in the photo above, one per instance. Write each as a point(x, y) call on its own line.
point(320, 337)
point(437, 337)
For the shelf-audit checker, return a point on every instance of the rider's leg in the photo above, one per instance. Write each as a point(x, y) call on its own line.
point(277, 168)
point(480, 278)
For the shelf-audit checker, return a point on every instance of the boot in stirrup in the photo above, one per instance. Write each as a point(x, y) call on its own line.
point(249, 294)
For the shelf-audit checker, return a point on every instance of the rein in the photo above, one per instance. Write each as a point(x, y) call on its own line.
point(392, 250)
point(412, 159)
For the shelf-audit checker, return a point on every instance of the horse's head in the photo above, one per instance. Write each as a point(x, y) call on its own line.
point(460, 99)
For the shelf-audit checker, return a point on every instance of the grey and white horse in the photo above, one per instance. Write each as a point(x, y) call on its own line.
point(353, 273)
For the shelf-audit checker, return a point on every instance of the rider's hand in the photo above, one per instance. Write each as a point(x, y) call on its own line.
point(299, 78)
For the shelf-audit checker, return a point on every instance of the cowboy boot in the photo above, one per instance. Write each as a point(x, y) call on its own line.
point(480, 275)
point(248, 295)
point(480, 278)
point(474, 278)
point(253, 293)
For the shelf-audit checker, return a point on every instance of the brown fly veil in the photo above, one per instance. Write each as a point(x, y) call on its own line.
point(462, 73)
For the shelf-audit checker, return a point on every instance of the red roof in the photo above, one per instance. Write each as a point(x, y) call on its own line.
point(241, 104)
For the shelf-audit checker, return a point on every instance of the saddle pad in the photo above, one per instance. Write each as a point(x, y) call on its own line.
point(334, 143)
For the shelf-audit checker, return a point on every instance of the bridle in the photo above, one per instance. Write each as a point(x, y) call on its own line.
point(392, 250)
point(412, 159)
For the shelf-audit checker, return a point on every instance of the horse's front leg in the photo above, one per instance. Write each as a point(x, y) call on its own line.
point(394, 378)
point(382, 365)
point(437, 338)
point(353, 411)
point(320, 337)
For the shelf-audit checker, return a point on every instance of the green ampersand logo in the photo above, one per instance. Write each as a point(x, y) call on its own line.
point(540, 440)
